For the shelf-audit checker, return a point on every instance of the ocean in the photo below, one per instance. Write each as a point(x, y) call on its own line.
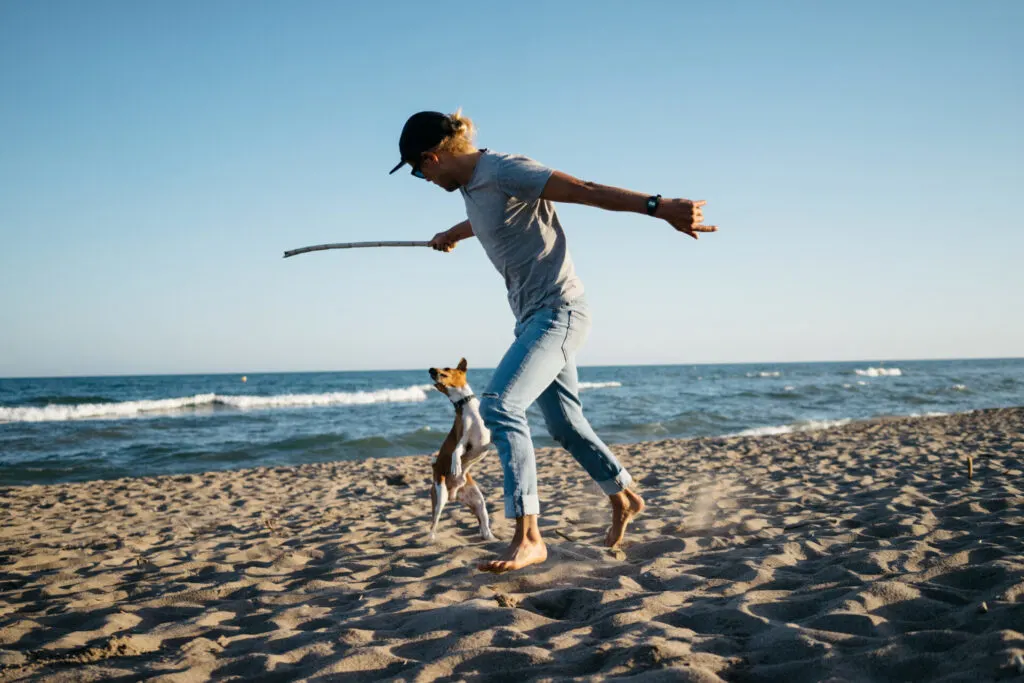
point(85, 428)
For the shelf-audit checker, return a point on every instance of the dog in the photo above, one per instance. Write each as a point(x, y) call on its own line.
point(466, 444)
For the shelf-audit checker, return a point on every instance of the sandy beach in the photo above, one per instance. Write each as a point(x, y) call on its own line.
point(860, 553)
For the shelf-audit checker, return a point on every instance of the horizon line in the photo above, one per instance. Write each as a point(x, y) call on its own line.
point(412, 369)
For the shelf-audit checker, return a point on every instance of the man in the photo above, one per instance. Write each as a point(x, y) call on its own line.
point(509, 204)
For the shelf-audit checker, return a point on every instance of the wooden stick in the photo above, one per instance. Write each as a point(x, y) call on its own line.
point(970, 467)
point(355, 245)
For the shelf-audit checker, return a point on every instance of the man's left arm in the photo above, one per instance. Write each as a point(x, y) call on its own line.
point(684, 215)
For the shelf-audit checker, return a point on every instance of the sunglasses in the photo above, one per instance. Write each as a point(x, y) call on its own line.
point(416, 171)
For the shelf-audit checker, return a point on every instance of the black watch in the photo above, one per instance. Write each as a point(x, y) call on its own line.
point(652, 204)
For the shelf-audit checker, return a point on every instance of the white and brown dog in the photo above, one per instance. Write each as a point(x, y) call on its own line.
point(466, 444)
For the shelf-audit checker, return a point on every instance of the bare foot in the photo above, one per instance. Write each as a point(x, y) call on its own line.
point(625, 506)
point(520, 554)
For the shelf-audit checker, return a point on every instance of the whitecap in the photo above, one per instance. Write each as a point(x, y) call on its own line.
point(880, 372)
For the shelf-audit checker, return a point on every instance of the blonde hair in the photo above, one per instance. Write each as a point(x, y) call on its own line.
point(461, 140)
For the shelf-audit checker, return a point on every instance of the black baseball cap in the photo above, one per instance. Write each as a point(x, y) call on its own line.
point(423, 131)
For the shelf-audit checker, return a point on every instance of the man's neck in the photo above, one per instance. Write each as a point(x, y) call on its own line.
point(463, 165)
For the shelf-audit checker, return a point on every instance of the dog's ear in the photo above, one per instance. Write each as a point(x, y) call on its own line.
point(462, 364)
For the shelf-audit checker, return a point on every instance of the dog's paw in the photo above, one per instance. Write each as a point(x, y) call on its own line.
point(488, 537)
point(431, 539)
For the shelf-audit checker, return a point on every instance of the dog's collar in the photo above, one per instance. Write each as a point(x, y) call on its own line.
point(463, 401)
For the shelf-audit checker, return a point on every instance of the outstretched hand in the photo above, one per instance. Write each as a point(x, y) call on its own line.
point(685, 215)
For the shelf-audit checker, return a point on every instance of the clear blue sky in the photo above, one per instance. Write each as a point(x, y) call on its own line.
point(863, 161)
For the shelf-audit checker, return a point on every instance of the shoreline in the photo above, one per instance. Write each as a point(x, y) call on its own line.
point(760, 432)
point(860, 552)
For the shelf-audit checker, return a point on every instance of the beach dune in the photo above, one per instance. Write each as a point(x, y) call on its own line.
point(859, 553)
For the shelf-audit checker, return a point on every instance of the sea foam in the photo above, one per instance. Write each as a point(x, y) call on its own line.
point(880, 372)
point(599, 385)
point(133, 409)
point(805, 426)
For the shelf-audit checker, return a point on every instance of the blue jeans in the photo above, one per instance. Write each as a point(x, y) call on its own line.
point(540, 367)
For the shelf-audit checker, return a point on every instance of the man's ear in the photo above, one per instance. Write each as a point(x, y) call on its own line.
point(462, 365)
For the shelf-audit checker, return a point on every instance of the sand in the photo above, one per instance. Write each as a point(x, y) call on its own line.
point(861, 553)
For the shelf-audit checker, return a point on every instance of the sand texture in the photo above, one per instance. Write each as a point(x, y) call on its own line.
point(861, 553)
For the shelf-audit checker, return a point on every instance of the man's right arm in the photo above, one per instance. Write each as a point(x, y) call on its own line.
point(445, 241)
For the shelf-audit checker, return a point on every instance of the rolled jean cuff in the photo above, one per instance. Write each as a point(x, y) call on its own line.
point(619, 483)
point(517, 506)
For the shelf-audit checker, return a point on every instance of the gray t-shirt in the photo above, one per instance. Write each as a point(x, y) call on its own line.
point(520, 232)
